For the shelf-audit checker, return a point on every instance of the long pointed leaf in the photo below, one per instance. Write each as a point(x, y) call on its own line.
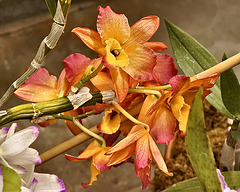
point(199, 149)
point(193, 58)
point(52, 5)
point(232, 178)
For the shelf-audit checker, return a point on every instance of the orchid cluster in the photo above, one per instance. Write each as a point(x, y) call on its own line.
point(131, 84)
point(129, 64)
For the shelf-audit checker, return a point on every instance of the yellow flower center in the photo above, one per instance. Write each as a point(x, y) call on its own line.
point(115, 54)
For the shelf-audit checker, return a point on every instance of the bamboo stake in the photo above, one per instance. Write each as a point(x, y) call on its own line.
point(80, 138)
point(219, 68)
point(48, 43)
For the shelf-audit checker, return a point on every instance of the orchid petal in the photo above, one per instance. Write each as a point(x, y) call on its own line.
point(91, 38)
point(141, 62)
point(145, 174)
point(42, 77)
point(28, 156)
point(48, 123)
point(137, 132)
point(36, 92)
point(179, 82)
point(122, 155)
point(75, 66)
point(71, 126)
point(120, 81)
point(165, 69)
point(100, 160)
point(19, 141)
point(112, 25)
point(148, 102)
point(110, 122)
point(48, 182)
point(103, 81)
point(156, 46)
point(11, 130)
point(144, 29)
point(63, 84)
point(157, 156)
point(3, 134)
point(94, 173)
point(181, 111)
point(142, 152)
point(163, 126)
point(91, 150)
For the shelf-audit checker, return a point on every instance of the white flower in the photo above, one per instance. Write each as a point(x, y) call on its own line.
point(14, 147)
point(41, 182)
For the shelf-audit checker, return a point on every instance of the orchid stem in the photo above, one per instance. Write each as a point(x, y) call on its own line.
point(156, 88)
point(219, 68)
point(80, 138)
point(128, 116)
point(143, 90)
point(87, 131)
point(83, 81)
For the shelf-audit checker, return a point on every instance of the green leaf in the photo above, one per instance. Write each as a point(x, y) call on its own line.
point(235, 134)
point(199, 149)
point(52, 5)
point(11, 180)
point(232, 178)
point(230, 90)
point(193, 58)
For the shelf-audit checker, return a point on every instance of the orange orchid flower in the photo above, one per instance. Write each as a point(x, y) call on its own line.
point(126, 50)
point(140, 143)
point(176, 104)
point(99, 160)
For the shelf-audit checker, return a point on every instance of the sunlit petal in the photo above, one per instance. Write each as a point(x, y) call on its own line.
point(144, 29)
point(120, 80)
point(91, 38)
point(156, 46)
point(142, 61)
point(157, 156)
point(103, 81)
point(36, 92)
point(112, 25)
point(100, 160)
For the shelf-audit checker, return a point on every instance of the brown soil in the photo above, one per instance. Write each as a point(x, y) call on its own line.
point(179, 164)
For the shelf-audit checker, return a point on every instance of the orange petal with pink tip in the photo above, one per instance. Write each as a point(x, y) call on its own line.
point(110, 122)
point(156, 46)
point(75, 66)
point(94, 174)
point(100, 160)
point(120, 81)
point(42, 77)
point(91, 38)
point(112, 25)
point(103, 81)
point(144, 29)
point(122, 155)
point(141, 62)
point(36, 92)
point(63, 84)
point(142, 152)
point(148, 102)
point(157, 156)
point(137, 132)
point(145, 174)
point(163, 125)
point(91, 150)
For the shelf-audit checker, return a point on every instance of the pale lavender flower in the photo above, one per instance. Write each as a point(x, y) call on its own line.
point(224, 186)
point(14, 147)
point(44, 182)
